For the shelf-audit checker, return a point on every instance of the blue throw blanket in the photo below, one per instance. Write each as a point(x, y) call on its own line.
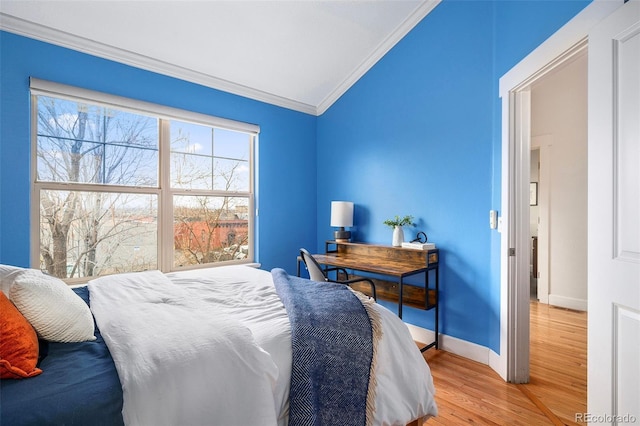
point(333, 350)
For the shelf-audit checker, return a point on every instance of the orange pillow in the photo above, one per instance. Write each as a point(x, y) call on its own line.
point(18, 343)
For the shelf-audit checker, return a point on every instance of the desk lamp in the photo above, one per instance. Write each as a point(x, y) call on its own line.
point(341, 216)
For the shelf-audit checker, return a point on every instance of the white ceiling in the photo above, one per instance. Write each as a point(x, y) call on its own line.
point(300, 54)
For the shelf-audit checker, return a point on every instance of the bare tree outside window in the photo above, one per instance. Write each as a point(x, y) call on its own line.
point(209, 228)
point(93, 145)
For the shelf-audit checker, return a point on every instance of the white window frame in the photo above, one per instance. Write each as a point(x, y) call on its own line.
point(163, 191)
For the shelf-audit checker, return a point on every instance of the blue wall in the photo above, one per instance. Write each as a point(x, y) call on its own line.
point(419, 134)
point(287, 142)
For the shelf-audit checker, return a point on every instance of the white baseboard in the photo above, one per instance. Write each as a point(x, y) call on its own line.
point(568, 302)
point(454, 345)
point(498, 364)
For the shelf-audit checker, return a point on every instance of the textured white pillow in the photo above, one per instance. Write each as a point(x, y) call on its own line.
point(7, 274)
point(53, 309)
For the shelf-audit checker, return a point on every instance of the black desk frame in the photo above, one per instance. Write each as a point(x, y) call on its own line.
point(340, 257)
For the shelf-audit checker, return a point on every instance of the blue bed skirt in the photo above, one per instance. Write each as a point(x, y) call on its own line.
point(79, 385)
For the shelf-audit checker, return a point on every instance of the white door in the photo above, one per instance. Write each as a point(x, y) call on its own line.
point(614, 218)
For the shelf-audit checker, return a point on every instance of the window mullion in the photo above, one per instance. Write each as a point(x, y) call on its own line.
point(89, 187)
point(165, 224)
point(253, 210)
point(208, 193)
point(34, 214)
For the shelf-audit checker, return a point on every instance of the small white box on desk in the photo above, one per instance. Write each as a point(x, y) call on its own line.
point(419, 246)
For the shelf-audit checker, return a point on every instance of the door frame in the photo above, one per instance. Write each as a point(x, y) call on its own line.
point(513, 361)
point(544, 144)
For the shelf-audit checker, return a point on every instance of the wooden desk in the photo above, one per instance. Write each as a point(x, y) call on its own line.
point(395, 262)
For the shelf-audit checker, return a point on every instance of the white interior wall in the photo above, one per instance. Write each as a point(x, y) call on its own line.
point(534, 210)
point(559, 109)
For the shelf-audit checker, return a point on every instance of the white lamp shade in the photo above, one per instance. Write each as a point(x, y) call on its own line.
point(341, 213)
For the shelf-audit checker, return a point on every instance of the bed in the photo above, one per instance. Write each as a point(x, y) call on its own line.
point(230, 345)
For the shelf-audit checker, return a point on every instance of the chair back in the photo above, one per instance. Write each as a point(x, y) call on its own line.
point(315, 270)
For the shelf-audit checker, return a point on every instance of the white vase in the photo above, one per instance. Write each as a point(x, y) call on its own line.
point(398, 236)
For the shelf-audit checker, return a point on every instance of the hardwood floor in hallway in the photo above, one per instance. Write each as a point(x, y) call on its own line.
point(558, 365)
point(468, 392)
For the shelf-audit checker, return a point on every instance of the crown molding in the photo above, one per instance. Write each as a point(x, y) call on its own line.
point(61, 38)
point(412, 20)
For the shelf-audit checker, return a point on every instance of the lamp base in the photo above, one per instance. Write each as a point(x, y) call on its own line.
point(342, 235)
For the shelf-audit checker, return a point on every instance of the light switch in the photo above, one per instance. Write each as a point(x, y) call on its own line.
point(493, 219)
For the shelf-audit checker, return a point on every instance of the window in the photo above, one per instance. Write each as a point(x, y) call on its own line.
point(121, 185)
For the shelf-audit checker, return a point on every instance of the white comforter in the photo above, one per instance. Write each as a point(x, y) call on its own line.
point(213, 346)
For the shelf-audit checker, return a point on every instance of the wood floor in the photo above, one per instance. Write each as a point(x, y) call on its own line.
point(472, 393)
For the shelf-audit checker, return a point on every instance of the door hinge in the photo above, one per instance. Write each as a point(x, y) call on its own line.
point(512, 252)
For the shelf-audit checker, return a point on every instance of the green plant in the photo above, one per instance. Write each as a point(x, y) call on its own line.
point(398, 221)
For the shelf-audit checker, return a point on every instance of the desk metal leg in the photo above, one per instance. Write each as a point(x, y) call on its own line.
point(400, 297)
point(437, 301)
point(436, 311)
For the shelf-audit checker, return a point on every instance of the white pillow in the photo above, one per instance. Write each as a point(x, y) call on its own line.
point(51, 306)
point(7, 274)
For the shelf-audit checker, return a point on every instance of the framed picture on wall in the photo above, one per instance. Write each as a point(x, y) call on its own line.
point(533, 193)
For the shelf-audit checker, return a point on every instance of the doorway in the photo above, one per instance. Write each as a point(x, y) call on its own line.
point(515, 241)
point(558, 185)
point(550, 124)
point(613, 374)
point(558, 237)
point(512, 362)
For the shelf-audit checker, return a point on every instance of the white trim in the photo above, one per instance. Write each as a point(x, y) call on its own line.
point(387, 44)
point(567, 41)
point(520, 214)
point(34, 213)
point(454, 345)
point(568, 302)
point(78, 283)
point(50, 88)
point(571, 34)
point(496, 363)
point(165, 206)
point(60, 38)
